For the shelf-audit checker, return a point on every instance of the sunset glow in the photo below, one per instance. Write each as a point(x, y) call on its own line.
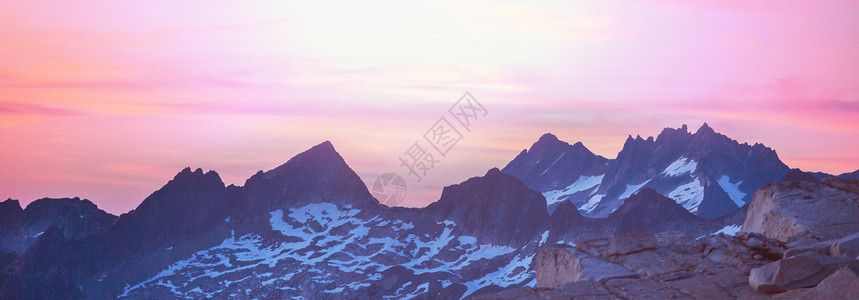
point(108, 100)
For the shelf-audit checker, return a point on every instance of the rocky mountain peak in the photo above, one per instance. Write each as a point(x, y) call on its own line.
point(566, 210)
point(494, 172)
point(705, 129)
point(75, 218)
point(669, 133)
point(177, 191)
point(551, 163)
point(320, 155)
point(496, 206)
point(635, 142)
point(797, 175)
point(188, 203)
point(188, 176)
point(547, 138)
point(39, 206)
point(550, 142)
point(648, 203)
point(318, 174)
point(11, 215)
point(707, 138)
point(9, 203)
point(495, 182)
point(10, 206)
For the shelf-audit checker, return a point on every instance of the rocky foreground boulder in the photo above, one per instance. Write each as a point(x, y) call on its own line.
point(562, 264)
point(643, 265)
point(795, 210)
point(843, 284)
point(801, 271)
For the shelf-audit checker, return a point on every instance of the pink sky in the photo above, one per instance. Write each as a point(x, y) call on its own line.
point(108, 100)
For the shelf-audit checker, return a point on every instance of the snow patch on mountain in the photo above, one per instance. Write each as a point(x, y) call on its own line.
point(327, 244)
point(681, 166)
point(733, 190)
point(515, 272)
point(689, 195)
point(632, 188)
point(544, 237)
point(582, 184)
point(729, 230)
point(592, 203)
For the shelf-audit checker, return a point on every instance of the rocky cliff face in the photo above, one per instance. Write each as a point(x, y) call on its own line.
point(495, 207)
point(11, 219)
point(314, 176)
point(795, 210)
point(75, 219)
point(551, 164)
point(650, 211)
point(706, 172)
point(184, 211)
point(46, 270)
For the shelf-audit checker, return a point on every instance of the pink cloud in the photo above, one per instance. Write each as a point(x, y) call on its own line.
point(17, 108)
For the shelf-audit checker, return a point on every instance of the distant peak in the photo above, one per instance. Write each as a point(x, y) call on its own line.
point(323, 149)
point(186, 174)
point(578, 146)
point(326, 145)
point(671, 133)
point(647, 198)
point(187, 171)
point(797, 175)
point(705, 129)
point(648, 192)
point(320, 159)
point(548, 137)
point(11, 203)
point(493, 172)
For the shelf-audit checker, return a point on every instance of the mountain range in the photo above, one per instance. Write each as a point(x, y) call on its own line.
point(311, 229)
point(706, 172)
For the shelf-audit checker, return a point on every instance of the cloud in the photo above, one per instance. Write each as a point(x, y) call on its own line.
point(17, 108)
point(132, 84)
point(79, 178)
